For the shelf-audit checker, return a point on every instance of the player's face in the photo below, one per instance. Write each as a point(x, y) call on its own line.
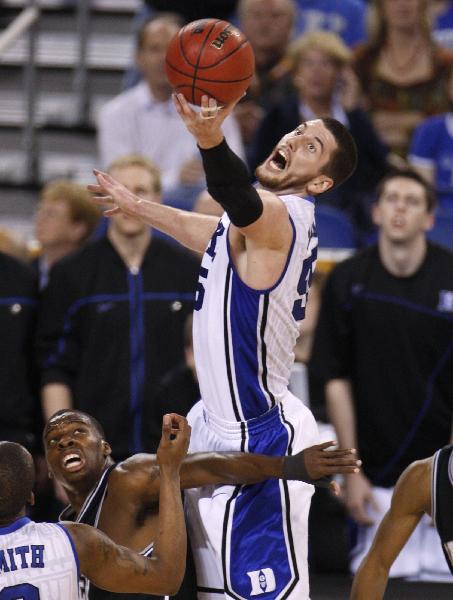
point(151, 56)
point(74, 449)
point(298, 159)
point(401, 212)
point(140, 182)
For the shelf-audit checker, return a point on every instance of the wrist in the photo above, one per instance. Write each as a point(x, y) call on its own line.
point(211, 141)
point(170, 471)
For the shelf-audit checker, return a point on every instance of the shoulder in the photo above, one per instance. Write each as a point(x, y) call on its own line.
point(135, 475)
point(84, 257)
point(125, 102)
point(413, 488)
point(20, 271)
point(356, 263)
point(439, 253)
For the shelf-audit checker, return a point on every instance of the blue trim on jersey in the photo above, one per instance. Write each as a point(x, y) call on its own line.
point(259, 508)
point(285, 268)
point(15, 526)
point(18, 300)
point(74, 551)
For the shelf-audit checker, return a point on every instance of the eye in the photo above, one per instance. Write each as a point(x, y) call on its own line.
point(311, 147)
point(298, 131)
point(51, 443)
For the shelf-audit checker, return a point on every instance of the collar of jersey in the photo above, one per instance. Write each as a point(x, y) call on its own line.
point(14, 526)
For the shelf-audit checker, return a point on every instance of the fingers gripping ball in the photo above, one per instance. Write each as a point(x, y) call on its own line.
point(210, 57)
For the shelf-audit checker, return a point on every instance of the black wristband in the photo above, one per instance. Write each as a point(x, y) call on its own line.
point(229, 184)
point(294, 469)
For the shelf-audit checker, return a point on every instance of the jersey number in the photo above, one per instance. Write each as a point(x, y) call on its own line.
point(199, 295)
point(304, 284)
point(23, 591)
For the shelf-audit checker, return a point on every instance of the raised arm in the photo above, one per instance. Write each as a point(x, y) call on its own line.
point(190, 229)
point(118, 569)
point(411, 499)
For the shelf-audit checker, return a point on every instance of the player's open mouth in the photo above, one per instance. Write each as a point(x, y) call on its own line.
point(279, 160)
point(72, 462)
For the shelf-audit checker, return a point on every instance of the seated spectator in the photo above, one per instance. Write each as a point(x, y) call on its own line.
point(326, 86)
point(441, 17)
point(65, 219)
point(144, 120)
point(268, 25)
point(9, 244)
point(402, 71)
point(431, 153)
point(345, 18)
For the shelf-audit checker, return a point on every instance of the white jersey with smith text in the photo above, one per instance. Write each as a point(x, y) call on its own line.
point(37, 562)
point(244, 338)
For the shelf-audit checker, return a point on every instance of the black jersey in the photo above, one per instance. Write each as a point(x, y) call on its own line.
point(393, 338)
point(442, 500)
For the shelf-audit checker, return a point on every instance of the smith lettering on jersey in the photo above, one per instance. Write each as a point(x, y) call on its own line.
point(37, 561)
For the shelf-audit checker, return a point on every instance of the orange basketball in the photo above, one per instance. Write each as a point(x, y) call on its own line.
point(210, 57)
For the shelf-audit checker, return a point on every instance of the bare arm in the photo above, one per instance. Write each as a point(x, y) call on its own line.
point(118, 569)
point(55, 396)
point(340, 407)
point(411, 498)
point(190, 229)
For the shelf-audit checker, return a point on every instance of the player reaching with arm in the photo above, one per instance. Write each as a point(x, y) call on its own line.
point(251, 295)
point(42, 560)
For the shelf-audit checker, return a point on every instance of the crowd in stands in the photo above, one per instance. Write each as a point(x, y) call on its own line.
point(107, 307)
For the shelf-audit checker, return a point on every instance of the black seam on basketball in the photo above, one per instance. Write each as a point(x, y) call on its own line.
point(181, 49)
point(225, 56)
point(190, 75)
point(198, 60)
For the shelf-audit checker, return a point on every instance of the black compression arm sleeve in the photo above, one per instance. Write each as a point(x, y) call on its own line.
point(294, 469)
point(229, 184)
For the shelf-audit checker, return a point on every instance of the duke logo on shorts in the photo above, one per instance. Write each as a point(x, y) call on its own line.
point(262, 581)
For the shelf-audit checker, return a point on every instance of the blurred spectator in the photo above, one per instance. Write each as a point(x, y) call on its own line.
point(144, 120)
point(383, 347)
point(112, 319)
point(346, 18)
point(18, 384)
point(177, 391)
point(268, 25)
point(431, 153)
point(441, 16)
point(65, 219)
point(326, 86)
point(10, 245)
point(402, 72)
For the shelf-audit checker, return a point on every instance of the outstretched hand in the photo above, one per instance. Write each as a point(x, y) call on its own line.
point(321, 462)
point(205, 124)
point(174, 442)
point(114, 196)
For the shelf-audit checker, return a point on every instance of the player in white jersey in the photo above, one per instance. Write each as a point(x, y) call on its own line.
point(43, 561)
point(252, 292)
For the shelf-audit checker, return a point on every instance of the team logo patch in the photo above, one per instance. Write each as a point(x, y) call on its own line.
point(445, 301)
point(262, 581)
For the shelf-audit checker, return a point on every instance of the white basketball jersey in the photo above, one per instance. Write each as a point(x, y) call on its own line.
point(37, 562)
point(244, 338)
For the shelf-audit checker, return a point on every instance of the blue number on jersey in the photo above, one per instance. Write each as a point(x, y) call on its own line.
point(23, 591)
point(304, 284)
point(199, 295)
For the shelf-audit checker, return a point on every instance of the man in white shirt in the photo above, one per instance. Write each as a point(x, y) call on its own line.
point(144, 120)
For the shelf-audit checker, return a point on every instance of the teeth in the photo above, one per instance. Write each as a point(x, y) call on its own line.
point(70, 457)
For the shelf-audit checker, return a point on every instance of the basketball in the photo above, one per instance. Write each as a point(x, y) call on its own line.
point(210, 57)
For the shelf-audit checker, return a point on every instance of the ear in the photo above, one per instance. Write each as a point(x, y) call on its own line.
point(50, 475)
point(106, 448)
point(430, 220)
point(376, 213)
point(31, 499)
point(319, 184)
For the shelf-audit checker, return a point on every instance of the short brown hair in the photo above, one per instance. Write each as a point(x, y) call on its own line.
point(430, 194)
point(343, 160)
point(78, 199)
point(137, 160)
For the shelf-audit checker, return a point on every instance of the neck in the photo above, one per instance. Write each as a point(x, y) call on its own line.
point(265, 57)
point(160, 92)
point(78, 493)
point(321, 107)
point(8, 522)
point(53, 254)
point(404, 39)
point(131, 248)
point(402, 260)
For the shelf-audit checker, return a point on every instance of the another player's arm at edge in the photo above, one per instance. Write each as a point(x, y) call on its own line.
point(118, 569)
point(411, 499)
